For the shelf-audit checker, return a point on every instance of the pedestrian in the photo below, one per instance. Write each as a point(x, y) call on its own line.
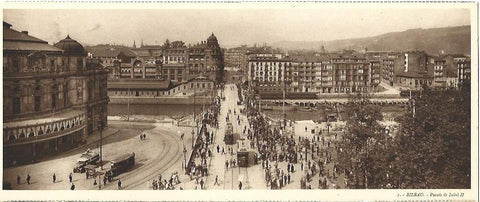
point(104, 180)
point(70, 177)
point(216, 181)
point(240, 185)
point(181, 137)
point(94, 182)
point(72, 187)
point(201, 183)
point(144, 136)
point(119, 184)
point(28, 178)
point(218, 148)
point(18, 179)
point(54, 177)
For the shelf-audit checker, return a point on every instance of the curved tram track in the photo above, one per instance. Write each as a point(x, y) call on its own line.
point(166, 158)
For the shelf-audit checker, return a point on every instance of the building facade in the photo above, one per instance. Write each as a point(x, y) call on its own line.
point(153, 91)
point(312, 74)
point(236, 58)
point(54, 96)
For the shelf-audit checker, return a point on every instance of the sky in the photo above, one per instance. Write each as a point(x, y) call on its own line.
point(231, 26)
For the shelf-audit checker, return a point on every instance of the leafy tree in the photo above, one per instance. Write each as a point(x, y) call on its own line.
point(178, 44)
point(166, 44)
point(433, 144)
point(364, 144)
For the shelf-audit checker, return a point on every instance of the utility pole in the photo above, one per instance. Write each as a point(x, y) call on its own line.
point(283, 106)
point(100, 124)
point(128, 105)
point(194, 114)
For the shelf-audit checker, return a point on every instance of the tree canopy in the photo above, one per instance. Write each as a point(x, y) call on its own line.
point(431, 149)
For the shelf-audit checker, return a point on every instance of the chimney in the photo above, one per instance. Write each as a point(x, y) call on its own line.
point(25, 32)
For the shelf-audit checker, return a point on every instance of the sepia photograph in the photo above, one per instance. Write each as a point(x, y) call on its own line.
point(225, 99)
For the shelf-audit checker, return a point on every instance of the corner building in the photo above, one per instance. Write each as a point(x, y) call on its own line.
point(54, 97)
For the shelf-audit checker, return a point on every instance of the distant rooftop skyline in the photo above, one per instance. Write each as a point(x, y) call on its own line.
point(232, 27)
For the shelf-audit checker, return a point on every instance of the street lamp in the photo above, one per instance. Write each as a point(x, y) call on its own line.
point(193, 135)
point(100, 125)
point(184, 157)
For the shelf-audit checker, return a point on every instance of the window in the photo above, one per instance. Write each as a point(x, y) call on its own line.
point(37, 103)
point(79, 63)
point(16, 64)
point(15, 105)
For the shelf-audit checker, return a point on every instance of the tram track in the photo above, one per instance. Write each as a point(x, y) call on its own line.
point(131, 179)
point(175, 156)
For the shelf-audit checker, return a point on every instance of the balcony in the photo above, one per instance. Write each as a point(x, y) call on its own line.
point(34, 130)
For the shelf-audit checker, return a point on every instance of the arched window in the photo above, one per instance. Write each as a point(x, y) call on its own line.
point(11, 138)
point(31, 134)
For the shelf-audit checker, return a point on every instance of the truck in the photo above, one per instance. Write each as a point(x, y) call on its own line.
point(86, 158)
point(121, 164)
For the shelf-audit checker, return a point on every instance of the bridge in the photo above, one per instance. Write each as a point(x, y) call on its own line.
point(313, 102)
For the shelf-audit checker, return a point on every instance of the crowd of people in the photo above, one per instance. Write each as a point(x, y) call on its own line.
point(165, 184)
point(314, 156)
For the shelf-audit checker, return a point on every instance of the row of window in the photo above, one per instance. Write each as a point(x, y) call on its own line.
point(37, 61)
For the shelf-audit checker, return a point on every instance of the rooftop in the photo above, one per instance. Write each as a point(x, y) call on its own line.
point(15, 41)
point(110, 51)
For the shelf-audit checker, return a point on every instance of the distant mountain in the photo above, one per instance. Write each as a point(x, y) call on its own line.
point(433, 40)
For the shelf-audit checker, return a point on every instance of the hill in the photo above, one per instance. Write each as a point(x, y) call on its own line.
point(433, 40)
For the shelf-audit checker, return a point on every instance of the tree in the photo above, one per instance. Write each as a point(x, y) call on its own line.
point(166, 44)
point(433, 144)
point(178, 44)
point(364, 144)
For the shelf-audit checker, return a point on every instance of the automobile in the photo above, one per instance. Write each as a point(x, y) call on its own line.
point(88, 157)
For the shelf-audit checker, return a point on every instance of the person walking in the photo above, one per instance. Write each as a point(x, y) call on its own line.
point(54, 177)
point(72, 187)
point(216, 181)
point(104, 180)
point(28, 178)
point(202, 183)
point(240, 185)
point(70, 177)
point(119, 184)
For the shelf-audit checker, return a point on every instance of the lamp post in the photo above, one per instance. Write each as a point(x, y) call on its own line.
point(128, 105)
point(184, 157)
point(100, 124)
